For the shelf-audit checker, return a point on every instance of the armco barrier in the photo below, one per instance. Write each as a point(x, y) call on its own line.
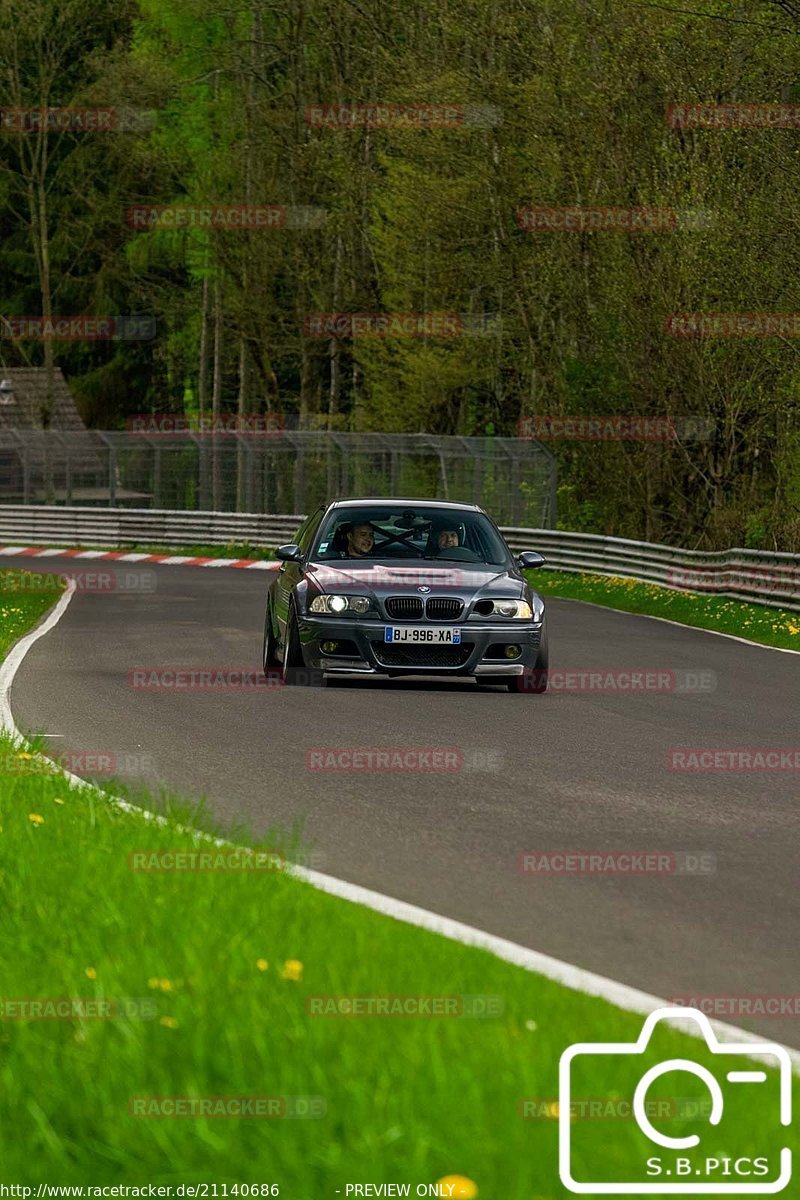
point(757, 575)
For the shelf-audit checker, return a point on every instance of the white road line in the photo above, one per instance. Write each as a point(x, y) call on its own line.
point(132, 557)
point(10, 664)
point(621, 995)
point(681, 624)
point(91, 554)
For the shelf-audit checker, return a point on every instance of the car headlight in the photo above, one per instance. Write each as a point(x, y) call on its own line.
point(339, 604)
point(517, 609)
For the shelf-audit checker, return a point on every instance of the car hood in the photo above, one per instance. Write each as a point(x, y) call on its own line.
point(387, 579)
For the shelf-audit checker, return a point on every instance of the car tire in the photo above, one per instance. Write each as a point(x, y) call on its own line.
point(269, 655)
point(295, 671)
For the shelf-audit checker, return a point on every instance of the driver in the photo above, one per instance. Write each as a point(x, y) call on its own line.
point(360, 540)
point(447, 539)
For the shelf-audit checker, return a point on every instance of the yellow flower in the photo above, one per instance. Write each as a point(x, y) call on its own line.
point(91, 973)
point(22, 754)
point(168, 1022)
point(35, 819)
point(262, 964)
point(457, 1186)
point(165, 985)
point(153, 982)
point(292, 969)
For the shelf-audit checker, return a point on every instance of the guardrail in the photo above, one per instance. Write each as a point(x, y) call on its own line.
point(763, 576)
point(755, 575)
point(40, 525)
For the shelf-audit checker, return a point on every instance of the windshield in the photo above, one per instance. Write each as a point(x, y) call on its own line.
point(422, 532)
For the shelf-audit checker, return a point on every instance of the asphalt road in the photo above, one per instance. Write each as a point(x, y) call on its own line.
point(540, 774)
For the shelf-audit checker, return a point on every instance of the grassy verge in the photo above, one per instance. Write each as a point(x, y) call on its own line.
point(214, 980)
point(232, 550)
point(20, 610)
point(772, 626)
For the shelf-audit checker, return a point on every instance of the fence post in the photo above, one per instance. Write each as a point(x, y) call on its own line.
point(156, 476)
point(299, 481)
point(202, 472)
point(112, 468)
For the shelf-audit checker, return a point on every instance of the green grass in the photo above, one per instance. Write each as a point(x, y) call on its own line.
point(772, 626)
point(19, 610)
point(406, 1100)
point(232, 550)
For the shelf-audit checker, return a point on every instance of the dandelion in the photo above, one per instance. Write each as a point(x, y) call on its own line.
point(292, 969)
point(457, 1186)
point(262, 964)
point(168, 1022)
point(153, 982)
point(165, 985)
point(35, 819)
point(91, 973)
point(23, 754)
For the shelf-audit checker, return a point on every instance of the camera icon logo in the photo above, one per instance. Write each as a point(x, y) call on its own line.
point(679, 1171)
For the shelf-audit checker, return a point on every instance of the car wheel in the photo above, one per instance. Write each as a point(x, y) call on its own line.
point(270, 652)
point(295, 671)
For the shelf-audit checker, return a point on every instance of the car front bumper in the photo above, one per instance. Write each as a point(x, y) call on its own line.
point(371, 655)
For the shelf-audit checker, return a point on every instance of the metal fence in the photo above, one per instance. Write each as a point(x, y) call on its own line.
point(283, 470)
point(755, 575)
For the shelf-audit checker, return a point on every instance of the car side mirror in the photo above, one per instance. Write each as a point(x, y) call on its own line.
point(530, 558)
point(289, 553)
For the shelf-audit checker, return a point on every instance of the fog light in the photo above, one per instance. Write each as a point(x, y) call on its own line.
point(512, 651)
point(329, 647)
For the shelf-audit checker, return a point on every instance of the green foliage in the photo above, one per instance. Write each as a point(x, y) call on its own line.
point(565, 106)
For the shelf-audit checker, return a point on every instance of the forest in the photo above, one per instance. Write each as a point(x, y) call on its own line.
point(475, 217)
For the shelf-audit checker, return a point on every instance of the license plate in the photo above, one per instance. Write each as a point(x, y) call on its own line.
point(422, 635)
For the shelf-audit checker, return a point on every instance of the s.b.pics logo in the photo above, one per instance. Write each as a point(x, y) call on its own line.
point(714, 1126)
